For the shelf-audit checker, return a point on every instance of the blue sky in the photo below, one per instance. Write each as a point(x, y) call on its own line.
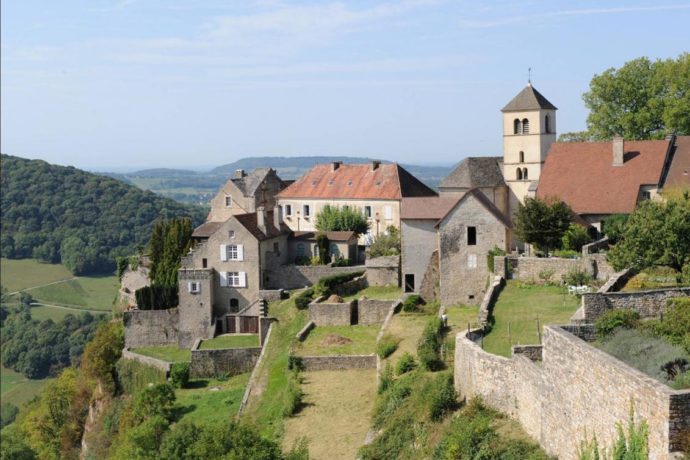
point(138, 83)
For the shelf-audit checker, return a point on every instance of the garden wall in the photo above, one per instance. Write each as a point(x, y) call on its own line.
point(383, 271)
point(372, 311)
point(338, 363)
point(529, 268)
point(331, 314)
point(150, 328)
point(576, 388)
point(649, 304)
point(298, 276)
point(231, 361)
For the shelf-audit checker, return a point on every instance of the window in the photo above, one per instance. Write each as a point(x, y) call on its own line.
point(547, 124)
point(204, 263)
point(300, 249)
point(517, 128)
point(471, 236)
point(646, 195)
point(409, 282)
point(518, 174)
point(525, 126)
point(522, 157)
point(234, 305)
point(472, 261)
point(276, 248)
point(306, 211)
point(367, 212)
point(194, 287)
point(334, 250)
point(524, 173)
point(228, 201)
point(235, 279)
point(288, 210)
point(231, 234)
point(231, 252)
point(388, 212)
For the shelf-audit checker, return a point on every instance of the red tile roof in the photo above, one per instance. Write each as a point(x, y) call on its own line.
point(357, 181)
point(679, 172)
point(426, 208)
point(582, 174)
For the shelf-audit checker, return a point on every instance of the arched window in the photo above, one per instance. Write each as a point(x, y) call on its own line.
point(334, 250)
point(524, 173)
point(517, 128)
point(234, 305)
point(522, 157)
point(300, 249)
point(547, 124)
point(525, 126)
point(518, 173)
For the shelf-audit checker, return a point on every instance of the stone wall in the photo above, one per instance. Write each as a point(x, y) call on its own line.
point(196, 308)
point(272, 295)
point(617, 281)
point(338, 363)
point(383, 271)
point(297, 276)
point(529, 268)
point(576, 388)
point(150, 328)
point(231, 361)
point(649, 304)
point(372, 311)
point(431, 284)
point(419, 242)
point(331, 314)
point(489, 298)
point(147, 360)
point(351, 287)
point(304, 332)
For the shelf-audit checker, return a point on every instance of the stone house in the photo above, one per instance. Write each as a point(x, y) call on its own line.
point(469, 230)
point(341, 244)
point(245, 193)
point(374, 188)
point(221, 279)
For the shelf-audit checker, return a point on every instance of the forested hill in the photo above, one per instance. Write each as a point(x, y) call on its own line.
point(63, 214)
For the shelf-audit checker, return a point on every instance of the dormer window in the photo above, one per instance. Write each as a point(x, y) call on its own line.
point(228, 201)
point(525, 126)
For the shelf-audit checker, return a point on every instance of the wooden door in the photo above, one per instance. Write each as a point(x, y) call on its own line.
point(231, 324)
point(249, 324)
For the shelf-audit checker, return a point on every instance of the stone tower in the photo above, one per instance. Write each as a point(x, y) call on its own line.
point(529, 129)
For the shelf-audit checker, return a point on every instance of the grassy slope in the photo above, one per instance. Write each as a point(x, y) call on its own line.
point(520, 306)
point(17, 389)
point(96, 293)
point(408, 328)
point(265, 408)
point(337, 413)
point(25, 273)
point(42, 313)
point(211, 401)
point(231, 341)
point(170, 353)
point(363, 341)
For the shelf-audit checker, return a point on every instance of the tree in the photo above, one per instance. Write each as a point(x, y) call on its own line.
point(613, 227)
point(641, 100)
point(345, 219)
point(542, 222)
point(657, 233)
point(386, 244)
point(575, 237)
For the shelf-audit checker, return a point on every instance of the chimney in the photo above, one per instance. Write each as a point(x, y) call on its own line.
point(239, 173)
point(375, 164)
point(277, 217)
point(261, 219)
point(618, 151)
point(335, 165)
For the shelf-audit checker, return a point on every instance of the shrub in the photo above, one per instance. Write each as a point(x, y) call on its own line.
point(566, 254)
point(8, 412)
point(386, 244)
point(405, 364)
point(326, 285)
point(575, 237)
point(179, 375)
point(430, 345)
point(340, 262)
point(546, 275)
point(682, 381)
point(443, 399)
point(674, 326)
point(411, 303)
point(577, 278)
point(496, 251)
point(293, 395)
point(390, 401)
point(295, 363)
point(613, 319)
point(323, 245)
point(302, 260)
point(387, 346)
point(630, 443)
point(304, 298)
point(386, 380)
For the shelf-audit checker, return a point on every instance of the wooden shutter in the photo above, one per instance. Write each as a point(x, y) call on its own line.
point(189, 286)
point(240, 252)
point(243, 279)
point(388, 212)
point(223, 279)
point(223, 252)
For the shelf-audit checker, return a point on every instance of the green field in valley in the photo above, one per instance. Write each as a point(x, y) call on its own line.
point(17, 389)
point(25, 273)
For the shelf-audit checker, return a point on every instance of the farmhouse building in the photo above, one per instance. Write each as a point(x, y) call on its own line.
point(374, 188)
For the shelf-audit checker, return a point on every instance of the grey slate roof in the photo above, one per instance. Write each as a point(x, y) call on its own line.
point(475, 172)
point(528, 99)
point(249, 183)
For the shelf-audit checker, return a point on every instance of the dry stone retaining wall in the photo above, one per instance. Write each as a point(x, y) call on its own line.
point(529, 268)
point(649, 304)
point(338, 363)
point(576, 388)
point(151, 328)
point(231, 361)
point(297, 276)
point(331, 314)
point(383, 271)
point(372, 311)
